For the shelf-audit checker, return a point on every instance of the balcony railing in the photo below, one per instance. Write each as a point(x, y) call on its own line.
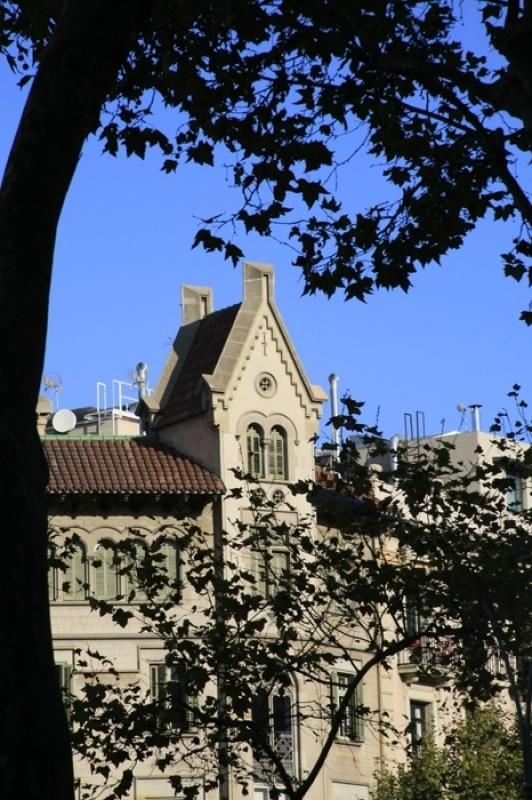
point(427, 653)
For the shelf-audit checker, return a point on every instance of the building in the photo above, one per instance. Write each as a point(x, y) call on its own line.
point(233, 394)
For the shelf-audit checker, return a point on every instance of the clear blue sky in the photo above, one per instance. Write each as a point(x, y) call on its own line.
point(124, 248)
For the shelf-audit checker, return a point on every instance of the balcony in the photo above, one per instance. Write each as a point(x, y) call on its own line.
point(426, 660)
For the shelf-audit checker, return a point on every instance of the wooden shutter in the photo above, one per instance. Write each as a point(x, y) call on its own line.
point(356, 715)
point(278, 566)
point(64, 677)
point(105, 573)
point(258, 560)
point(169, 569)
point(134, 579)
point(52, 574)
point(75, 575)
point(157, 681)
point(254, 450)
point(277, 453)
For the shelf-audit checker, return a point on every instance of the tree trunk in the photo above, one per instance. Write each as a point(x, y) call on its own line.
point(78, 69)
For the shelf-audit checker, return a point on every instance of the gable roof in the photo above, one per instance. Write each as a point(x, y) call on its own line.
point(209, 348)
point(202, 357)
point(124, 466)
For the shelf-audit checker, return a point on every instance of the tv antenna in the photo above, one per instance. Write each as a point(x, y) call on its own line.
point(53, 384)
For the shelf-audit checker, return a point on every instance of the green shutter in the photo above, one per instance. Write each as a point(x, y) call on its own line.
point(277, 454)
point(356, 715)
point(254, 451)
point(157, 681)
point(278, 566)
point(75, 575)
point(169, 569)
point(52, 574)
point(258, 568)
point(105, 573)
point(64, 677)
point(134, 579)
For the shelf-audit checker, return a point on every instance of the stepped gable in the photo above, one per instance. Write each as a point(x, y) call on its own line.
point(201, 359)
point(124, 466)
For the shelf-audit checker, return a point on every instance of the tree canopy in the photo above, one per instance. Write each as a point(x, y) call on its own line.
point(480, 761)
point(285, 93)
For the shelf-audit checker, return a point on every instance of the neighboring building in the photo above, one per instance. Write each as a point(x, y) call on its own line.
point(233, 393)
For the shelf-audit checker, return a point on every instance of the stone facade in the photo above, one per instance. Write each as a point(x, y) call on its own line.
point(230, 374)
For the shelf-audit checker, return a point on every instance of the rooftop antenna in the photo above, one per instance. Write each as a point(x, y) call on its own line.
point(53, 383)
point(462, 409)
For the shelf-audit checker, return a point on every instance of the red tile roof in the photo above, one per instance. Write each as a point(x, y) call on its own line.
point(201, 359)
point(123, 466)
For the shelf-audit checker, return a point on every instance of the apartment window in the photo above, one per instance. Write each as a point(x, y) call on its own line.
point(254, 445)
point(412, 617)
point(274, 719)
point(270, 560)
point(74, 583)
point(419, 724)
point(514, 492)
point(177, 703)
point(277, 467)
point(105, 571)
point(352, 723)
point(64, 677)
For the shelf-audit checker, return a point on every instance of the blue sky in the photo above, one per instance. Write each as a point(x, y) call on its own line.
point(124, 248)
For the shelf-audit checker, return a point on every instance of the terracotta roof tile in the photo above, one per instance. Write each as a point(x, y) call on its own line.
point(123, 466)
point(201, 359)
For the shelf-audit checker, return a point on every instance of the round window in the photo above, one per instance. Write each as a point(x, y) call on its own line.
point(265, 384)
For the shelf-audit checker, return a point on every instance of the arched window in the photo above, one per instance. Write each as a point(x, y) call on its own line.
point(105, 571)
point(274, 723)
point(254, 438)
point(277, 453)
point(74, 582)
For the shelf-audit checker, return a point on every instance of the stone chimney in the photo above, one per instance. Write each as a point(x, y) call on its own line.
point(196, 303)
point(258, 281)
point(44, 413)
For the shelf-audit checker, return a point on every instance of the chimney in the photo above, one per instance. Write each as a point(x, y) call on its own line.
point(475, 417)
point(335, 432)
point(196, 303)
point(44, 412)
point(258, 281)
point(142, 379)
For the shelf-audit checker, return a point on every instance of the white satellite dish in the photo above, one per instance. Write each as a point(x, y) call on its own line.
point(63, 420)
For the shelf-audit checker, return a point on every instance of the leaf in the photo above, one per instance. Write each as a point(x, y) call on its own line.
point(201, 153)
point(515, 271)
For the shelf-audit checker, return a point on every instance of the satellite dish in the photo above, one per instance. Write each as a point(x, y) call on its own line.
point(63, 420)
point(461, 408)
